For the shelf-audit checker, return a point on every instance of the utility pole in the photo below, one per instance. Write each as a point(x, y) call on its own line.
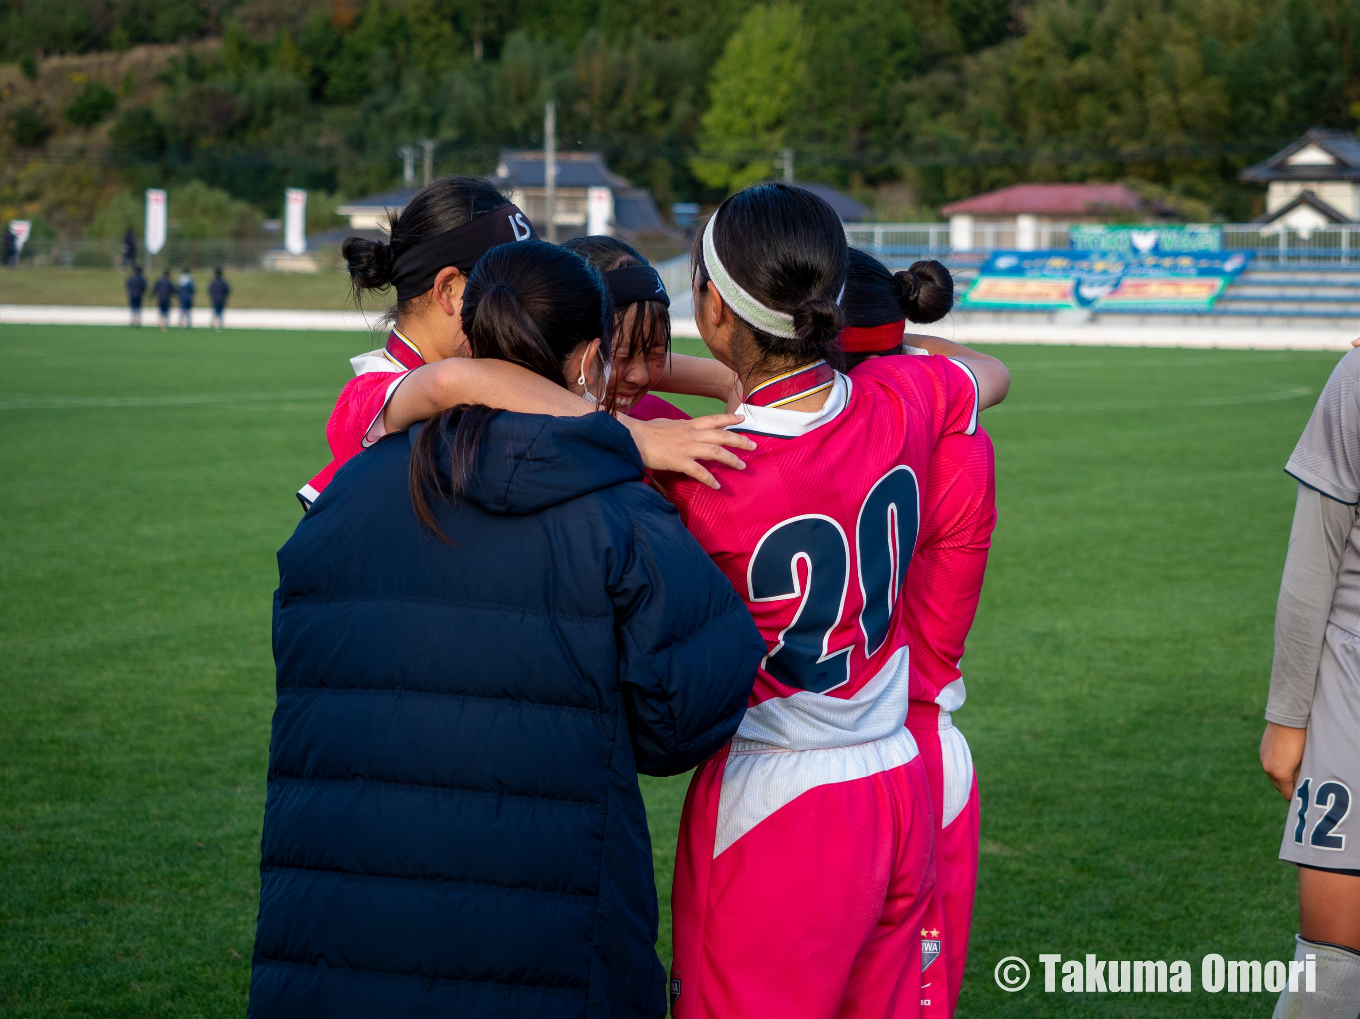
point(788, 165)
point(408, 164)
point(428, 145)
point(550, 167)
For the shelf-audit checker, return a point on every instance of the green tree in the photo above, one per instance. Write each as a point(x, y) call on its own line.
point(198, 210)
point(980, 23)
point(752, 95)
point(91, 105)
point(137, 134)
point(29, 125)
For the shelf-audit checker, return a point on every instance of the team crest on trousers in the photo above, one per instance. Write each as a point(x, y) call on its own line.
point(930, 948)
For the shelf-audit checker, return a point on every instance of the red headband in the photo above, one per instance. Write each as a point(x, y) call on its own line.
point(872, 339)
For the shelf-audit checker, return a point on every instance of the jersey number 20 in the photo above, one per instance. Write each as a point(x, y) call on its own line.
point(885, 537)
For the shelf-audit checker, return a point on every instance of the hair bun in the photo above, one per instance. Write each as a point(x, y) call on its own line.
point(369, 263)
point(817, 321)
point(925, 291)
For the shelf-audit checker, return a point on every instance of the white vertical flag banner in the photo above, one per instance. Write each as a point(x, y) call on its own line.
point(599, 210)
point(20, 228)
point(155, 220)
point(295, 221)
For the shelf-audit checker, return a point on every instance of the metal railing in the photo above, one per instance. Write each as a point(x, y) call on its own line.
point(1271, 245)
point(1332, 246)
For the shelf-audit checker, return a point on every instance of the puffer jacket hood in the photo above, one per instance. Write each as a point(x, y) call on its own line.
point(528, 462)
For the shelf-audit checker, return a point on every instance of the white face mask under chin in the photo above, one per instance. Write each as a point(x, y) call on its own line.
point(585, 388)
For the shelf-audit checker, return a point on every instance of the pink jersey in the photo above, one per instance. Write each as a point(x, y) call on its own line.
point(649, 408)
point(817, 536)
point(944, 581)
point(356, 422)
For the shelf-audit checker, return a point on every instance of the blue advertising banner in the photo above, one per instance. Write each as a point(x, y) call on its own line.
point(1051, 280)
point(1194, 238)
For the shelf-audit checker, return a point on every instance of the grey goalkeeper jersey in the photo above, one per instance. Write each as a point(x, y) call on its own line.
point(1321, 582)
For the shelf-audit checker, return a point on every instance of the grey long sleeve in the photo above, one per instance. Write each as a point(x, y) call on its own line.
point(1316, 543)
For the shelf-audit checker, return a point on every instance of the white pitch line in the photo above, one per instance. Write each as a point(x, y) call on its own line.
point(235, 318)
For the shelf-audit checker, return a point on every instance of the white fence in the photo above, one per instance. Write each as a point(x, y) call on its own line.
point(1335, 245)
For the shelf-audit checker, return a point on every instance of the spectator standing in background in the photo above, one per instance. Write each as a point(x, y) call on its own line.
point(218, 291)
point(136, 288)
point(165, 293)
point(11, 256)
point(129, 249)
point(186, 298)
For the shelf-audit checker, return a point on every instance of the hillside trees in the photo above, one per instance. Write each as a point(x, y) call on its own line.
point(753, 92)
point(943, 97)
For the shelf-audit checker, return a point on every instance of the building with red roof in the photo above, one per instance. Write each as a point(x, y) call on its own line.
point(1025, 216)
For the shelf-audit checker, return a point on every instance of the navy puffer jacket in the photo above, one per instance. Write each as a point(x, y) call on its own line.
point(453, 825)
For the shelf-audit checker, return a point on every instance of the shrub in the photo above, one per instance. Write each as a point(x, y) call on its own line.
point(29, 126)
point(91, 105)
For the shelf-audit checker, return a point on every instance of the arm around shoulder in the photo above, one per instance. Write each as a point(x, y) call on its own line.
point(993, 377)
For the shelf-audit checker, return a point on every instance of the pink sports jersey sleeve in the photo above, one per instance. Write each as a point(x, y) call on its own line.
point(358, 409)
point(944, 580)
point(945, 388)
point(650, 407)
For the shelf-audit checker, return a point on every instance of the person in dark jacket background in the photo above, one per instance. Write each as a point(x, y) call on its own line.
point(218, 291)
point(129, 249)
point(136, 289)
point(482, 634)
point(165, 293)
point(186, 290)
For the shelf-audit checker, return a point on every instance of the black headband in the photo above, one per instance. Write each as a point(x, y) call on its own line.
point(414, 271)
point(634, 283)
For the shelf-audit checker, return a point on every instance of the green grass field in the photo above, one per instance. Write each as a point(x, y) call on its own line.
point(1117, 671)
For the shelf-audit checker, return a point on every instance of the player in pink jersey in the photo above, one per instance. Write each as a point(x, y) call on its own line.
point(818, 966)
point(806, 857)
point(434, 242)
point(944, 582)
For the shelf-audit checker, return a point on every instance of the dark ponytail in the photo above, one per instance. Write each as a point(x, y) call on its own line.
point(440, 206)
point(875, 295)
point(925, 291)
point(529, 303)
point(786, 248)
point(369, 263)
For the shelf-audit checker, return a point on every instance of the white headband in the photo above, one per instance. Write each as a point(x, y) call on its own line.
point(743, 305)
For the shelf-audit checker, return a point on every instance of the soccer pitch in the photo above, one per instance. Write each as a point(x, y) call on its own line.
point(1116, 674)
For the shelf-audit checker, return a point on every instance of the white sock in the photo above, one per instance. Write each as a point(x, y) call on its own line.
point(1338, 985)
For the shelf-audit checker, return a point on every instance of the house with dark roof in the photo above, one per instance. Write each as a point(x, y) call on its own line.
point(849, 210)
point(590, 198)
point(1026, 216)
point(371, 212)
point(1311, 183)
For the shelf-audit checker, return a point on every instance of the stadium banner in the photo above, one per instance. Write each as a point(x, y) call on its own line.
point(154, 237)
point(1054, 280)
point(1192, 238)
point(20, 229)
point(295, 221)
